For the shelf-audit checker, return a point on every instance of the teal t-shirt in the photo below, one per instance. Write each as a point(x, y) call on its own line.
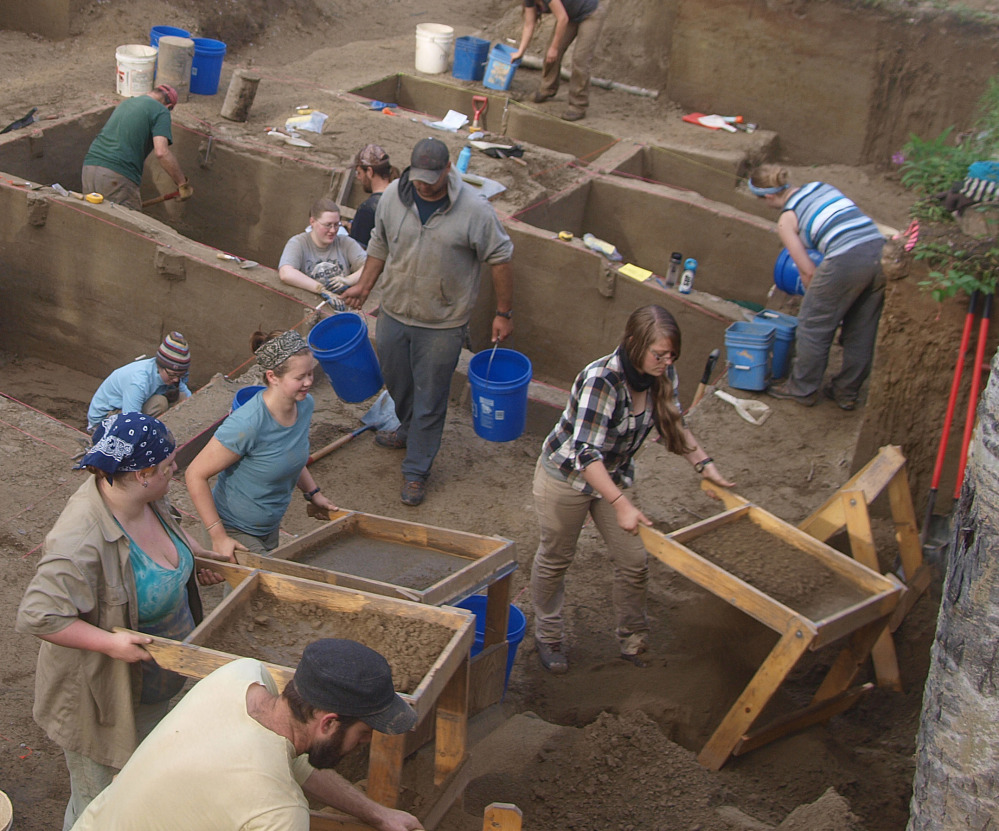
point(127, 138)
point(253, 494)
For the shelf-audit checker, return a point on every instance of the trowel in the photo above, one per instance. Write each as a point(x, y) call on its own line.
point(232, 258)
point(755, 412)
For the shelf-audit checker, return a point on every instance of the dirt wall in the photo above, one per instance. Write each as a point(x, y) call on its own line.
point(56, 19)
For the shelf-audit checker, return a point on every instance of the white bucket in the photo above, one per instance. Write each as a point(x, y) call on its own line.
point(433, 47)
point(136, 68)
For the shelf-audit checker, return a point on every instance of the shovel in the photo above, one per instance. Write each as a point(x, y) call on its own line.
point(381, 416)
point(755, 412)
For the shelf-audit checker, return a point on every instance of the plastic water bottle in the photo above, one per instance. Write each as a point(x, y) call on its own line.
point(463, 159)
point(687, 280)
point(673, 274)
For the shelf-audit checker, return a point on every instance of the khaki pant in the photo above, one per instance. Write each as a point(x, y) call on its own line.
point(586, 34)
point(561, 513)
point(112, 185)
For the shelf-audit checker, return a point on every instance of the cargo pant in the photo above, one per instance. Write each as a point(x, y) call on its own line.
point(586, 33)
point(562, 511)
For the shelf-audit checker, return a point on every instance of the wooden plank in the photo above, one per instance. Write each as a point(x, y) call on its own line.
point(849, 661)
point(914, 590)
point(459, 543)
point(445, 795)
point(698, 529)
point(487, 674)
point(502, 816)
point(872, 478)
point(906, 530)
point(729, 498)
point(847, 621)
point(497, 612)
point(328, 532)
point(234, 573)
point(473, 577)
point(198, 661)
point(385, 768)
point(800, 719)
point(788, 650)
point(452, 725)
point(230, 605)
point(716, 580)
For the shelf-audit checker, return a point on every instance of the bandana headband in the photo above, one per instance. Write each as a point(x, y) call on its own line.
point(127, 442)
point(277, 350)
point(757, 191)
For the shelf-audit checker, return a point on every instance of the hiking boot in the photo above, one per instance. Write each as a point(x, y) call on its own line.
point(782, 392)
point(552, 657)
point(848, 404)
point(390, 439)
point(414, 491)
point(540, 97)
point(573, 115)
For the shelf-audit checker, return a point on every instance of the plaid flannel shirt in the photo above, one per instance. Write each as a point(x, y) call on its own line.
point(598, 425)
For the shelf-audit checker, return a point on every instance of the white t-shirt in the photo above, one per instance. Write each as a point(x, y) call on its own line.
point(208, 766)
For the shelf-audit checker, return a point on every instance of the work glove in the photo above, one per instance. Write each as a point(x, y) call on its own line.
point(335, 303)
point(184, 192)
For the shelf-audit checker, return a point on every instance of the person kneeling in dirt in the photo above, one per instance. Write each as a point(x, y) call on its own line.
point(113, 164)
point(114, 558)
point(586, 466)
point(321, 259)
point(147, 385)
point(260, 453)
point(847, 287)
point(235, 754)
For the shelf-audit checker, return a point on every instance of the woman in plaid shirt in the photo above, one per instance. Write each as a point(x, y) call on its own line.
point(586, 465)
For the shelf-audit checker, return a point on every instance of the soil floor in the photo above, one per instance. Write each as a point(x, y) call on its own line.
point(609, 745)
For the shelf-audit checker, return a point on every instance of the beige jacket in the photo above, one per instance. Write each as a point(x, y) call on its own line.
point(85, 701)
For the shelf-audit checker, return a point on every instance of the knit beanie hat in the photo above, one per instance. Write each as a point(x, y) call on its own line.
point(174, 353)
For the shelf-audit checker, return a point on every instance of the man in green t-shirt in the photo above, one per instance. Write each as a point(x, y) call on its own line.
point(113, 165)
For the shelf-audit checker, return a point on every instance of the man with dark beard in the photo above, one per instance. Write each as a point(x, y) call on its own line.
point(233, 754)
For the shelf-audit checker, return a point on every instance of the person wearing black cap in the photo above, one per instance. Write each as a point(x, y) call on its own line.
point(235, 754)
point(138, 126)
point(431, 237)
point(146, 385)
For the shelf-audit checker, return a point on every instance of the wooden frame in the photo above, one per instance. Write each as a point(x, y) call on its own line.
point(859, 623)
point(444, 687)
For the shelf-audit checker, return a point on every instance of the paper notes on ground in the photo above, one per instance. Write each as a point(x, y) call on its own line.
point(634, 272)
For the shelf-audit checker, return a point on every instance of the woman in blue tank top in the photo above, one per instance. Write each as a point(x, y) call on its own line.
point(847, 288)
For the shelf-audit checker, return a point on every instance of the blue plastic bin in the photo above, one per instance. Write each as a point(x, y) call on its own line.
point(158, 32)
point(748, 346)
point(514, 631)
point(780, 357)
point(470, 56)
point(206, 68)
point(501, 66)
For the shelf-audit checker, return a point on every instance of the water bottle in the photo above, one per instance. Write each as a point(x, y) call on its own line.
point(463, 157)
point(673, 274)
point(687, 280)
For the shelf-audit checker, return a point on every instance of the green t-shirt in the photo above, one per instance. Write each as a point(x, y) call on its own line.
point(127, 138)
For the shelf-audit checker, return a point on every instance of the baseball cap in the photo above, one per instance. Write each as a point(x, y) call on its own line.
point(430, 157)
point(350, 679)
point(169, 93)
point(371, 155)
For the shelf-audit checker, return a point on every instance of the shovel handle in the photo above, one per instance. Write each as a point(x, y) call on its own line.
point(334, 445)
point(159, 199)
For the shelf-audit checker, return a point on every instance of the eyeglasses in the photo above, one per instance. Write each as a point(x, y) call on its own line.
point(329, 226)
point(663, 356)
point(175, 374)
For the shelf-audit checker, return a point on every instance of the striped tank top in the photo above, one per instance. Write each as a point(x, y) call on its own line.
point(828, 222)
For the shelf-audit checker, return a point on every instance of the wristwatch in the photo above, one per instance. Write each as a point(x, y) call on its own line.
point(507, 315)
point(309, 494)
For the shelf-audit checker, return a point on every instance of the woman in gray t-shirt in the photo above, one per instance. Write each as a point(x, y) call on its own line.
point(320, 259)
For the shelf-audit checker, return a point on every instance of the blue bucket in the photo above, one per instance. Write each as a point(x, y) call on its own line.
point(748, 347)
point(470, 55)
point(499, 393)
point(158, 32)
point(207, 66)
point(786, 275)
point(341, 345)
point(500, 69)
point(780, 358)
point(514, 630)
point(244, 394)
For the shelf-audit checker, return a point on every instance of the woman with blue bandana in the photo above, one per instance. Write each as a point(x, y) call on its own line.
point(260, 452)
point(114, 558)
point(846, 288)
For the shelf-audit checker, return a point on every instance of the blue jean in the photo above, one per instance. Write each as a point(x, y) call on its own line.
point(417, 365)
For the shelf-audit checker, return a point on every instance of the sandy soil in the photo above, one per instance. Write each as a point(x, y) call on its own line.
point(620, 741)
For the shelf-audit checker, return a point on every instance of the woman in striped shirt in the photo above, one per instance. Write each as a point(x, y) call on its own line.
point(846, 288)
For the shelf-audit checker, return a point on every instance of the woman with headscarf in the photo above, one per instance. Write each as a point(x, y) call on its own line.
point(114, 558)
point(587, 466)
point(260, 452)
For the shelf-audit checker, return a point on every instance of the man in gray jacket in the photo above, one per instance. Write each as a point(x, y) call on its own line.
point(431, 237)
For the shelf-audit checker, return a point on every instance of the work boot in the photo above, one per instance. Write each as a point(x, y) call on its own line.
point(414, 491)
point(572, 114)
point(540, 97)
point(782, 392)
point(844, 403)
point(552, 657)
point(390, 439)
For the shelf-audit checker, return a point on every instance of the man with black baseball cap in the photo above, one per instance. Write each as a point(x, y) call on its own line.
point(235, 754)
point(432, 235)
